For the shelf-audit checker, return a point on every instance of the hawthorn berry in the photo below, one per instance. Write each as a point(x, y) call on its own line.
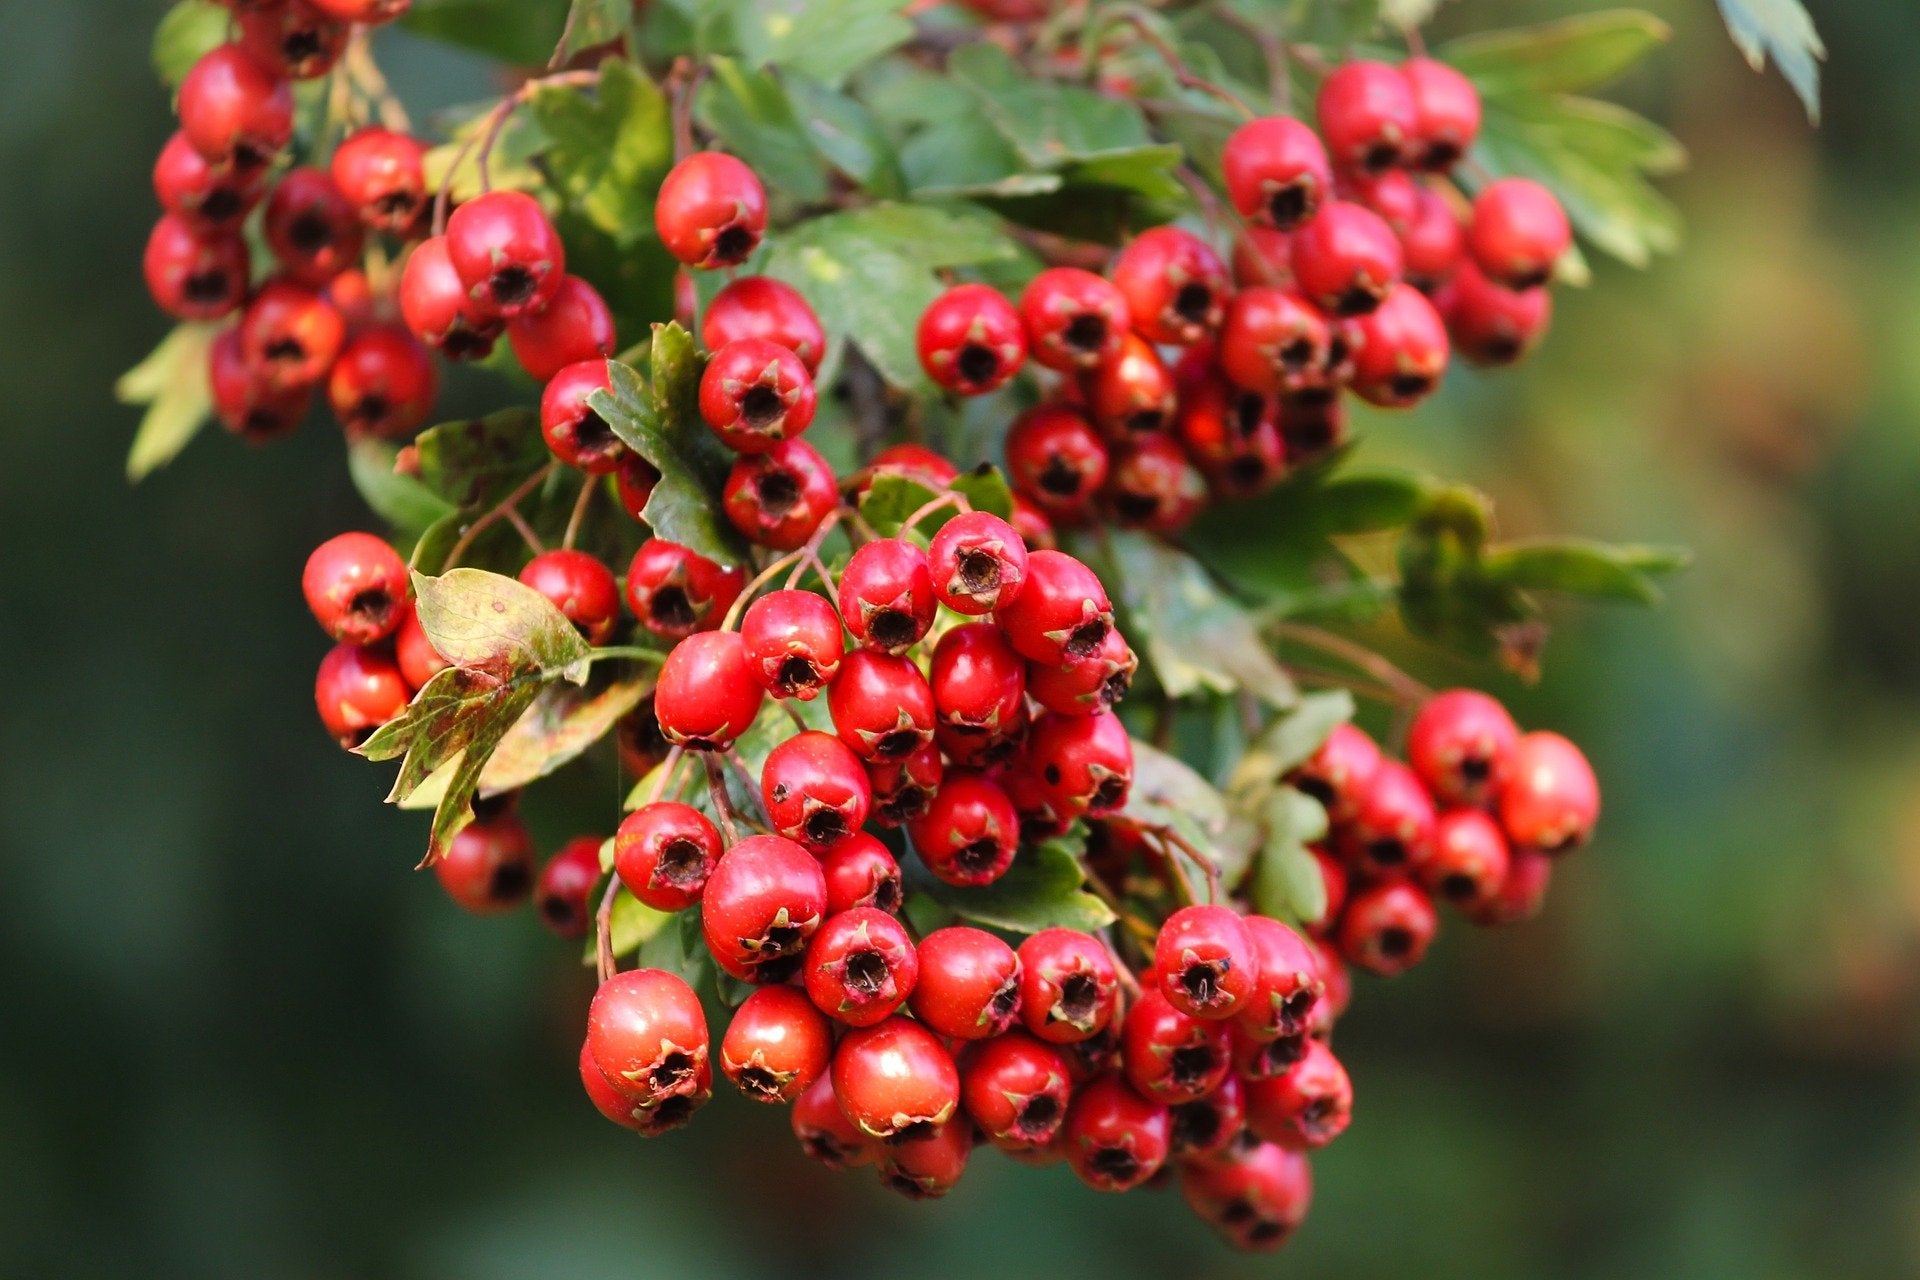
point(1016, 1088)
point(760, 307)
point(1258, 1059)
point(913, 462)
point(1391, 829)
point(664, 852)
point(193, 276)
point(1289, 982)
point(706, 697)
point(1206, 962)
point(794, 643)
point(1074, 319)
point(572, 427)
point(574, 326)
point(1277, 171)
point(1062, 612)
point(1393, 194)
point(1305, 1107)
point(1069, 990)
point(976, 562)
point(580, 586)
point(1433, 244)
point(413, 651)
point(1085, 762)
point(763, 902)
point(1518, 232)
point(488, 865)
point(1346, 260)
point(1311, 431)
point(860, 966)
point(1446, 113)
point(610, 1102)
point(1056, 459)
point(978, 681)
point(886, 595)
point(290, 335)
point(1368, 117)
point(564, 891)
point(1174, 283)
point(1086, 685)
point(895, 1079)
point(1489, 323)
point(1099, 1054)
point(648, 1036)
point(1550, 798)
point(1115, 1138)
point(1333, 887)
point(971, 340)
point(382, 174)
point(1402, 350)
point(776, 1045)
point(1132, 394)
point(1172, 1056)
point(1387, 926)
point(1468, 861)
point(1339, 979)
point(823, 1129)
point(383, 383)
point(676, 592)
point(969, 987)
point(633, 482)
point(903, 786)
point(1032, 525)
point(1152, 485)
point(507, 254)
point(815, 790)
point(1273, 340)
point(1520, 893)
point(861, 872)
point(357, 586)
point(1263, 256)
point(435, 305)
point(755, 394)
point(234, 111)
point(251, 411)
point(1460, 745)
point(969, 833)
point(881, 705)
point(210, 198)
point(370, 12)
point(357, 690)
point(967, 747)
point(711, 211)
point(778, 498)
point(1338, 772)
point(313, 230)
point(927, 1165)
point(1256, 1196)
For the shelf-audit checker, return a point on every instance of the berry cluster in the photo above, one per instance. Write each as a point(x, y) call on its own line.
point(1357, 267)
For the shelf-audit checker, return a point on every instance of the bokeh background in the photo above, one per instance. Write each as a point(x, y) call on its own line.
point(238, 1038)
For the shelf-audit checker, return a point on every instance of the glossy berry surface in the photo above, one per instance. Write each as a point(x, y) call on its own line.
point(711, 211)
point(971, 340)
point(815, 790)
point(507, 255)
point(1016, 1088)
point(776, 1045)
point(755, 394)
point(706, 696)
point(760, 908)
point(1551, 799)
point(1069, 990)
point(895, 1079)
point(663, 853)
point(794, 643)
point(1207, 964)
point(1115, 1139)
point(563, 892)
point(1277, 171)
point(1074, 319)
point(488, 867)
point(647, 1034)
point(977, 562)
point(882, 706)
point(356, 586)
point(860, 966)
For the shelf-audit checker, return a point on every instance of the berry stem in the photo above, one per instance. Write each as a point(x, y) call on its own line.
point(525, 530)
point(950, 498)
point(1405, 687)
point(1102, 890)
point(579, 516)
point(498, 512)
point(774, 569)
point(722, 802)
point(603, 930)
point(1182, 74)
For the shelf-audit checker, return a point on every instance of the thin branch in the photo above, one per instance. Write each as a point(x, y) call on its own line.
point(1181, 72)
point(722, 802)
point(579, 515)
point(527, 535)
point(1355, 655)
point(603, 926)
point(498, 512)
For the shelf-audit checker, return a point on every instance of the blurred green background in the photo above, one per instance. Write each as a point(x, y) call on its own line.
point(239, 1038)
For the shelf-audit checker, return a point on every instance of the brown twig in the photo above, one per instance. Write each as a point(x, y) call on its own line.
point(1182, 74)
point(1357, 656)
point(722, 801)
point(498, 512)
point(579, 515)
point(603, 925)
point(525, 530)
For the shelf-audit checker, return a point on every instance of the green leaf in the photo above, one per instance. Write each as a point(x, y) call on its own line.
point(187, 31)
point(1368, 501)
point(401, 500)
point(964, 155)
point(561, 724)
point(1196, 639)
point(1049, 122)
point(675, 944)
point(824, 39)
point(172, 383)
point(1783, 30)
point(1287, 884)
point(754, 117)
point(592, 22)
point(1583, 567)
point(986, 489)
point(846, 135)
point(510, 164)
point(631, 924)
point(474, 464)
point(1167, 792)
point(1041, 890)
point(1287, 741)
point(489, 622)
point(517, 31)
point(891, 498)
point(609, 150)
point(1565, 56)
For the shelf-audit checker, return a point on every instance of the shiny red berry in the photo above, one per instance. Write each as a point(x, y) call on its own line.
point(580, 586)
point(572, 427)
point(234, 111)
point(313, 230)
point(969, 987)
point(1209, 1125)
point(881, 706)
point(648, 1036)
point(1461, 745)
point(1115, 1138)
point(507, 254)
point(1170, 1055)
point(1153, 486)
point(1263, 256)
point(1084, 762)
point(706, 697)
point(418, 660)
point(1368, 117)
point(617, 1106)
point(1133, 393)
point(1468, 860)
point(290, 335)
point(1069, 990)
point(977, 562)
point(1521, 892)
point(382, 174)
point(776, 1045)
point(194, 276)
point(1518, 232)
point(676, 592)
point(1276, 170)
point(488, 866)
point(356, 691)
point(925, 1165)
point(794, 643)
point(861, 872)
point(1273, 340)
point(248, 408)
point(759, 307)
point(711, 211)
point(1433, 244)
point(971, 339)
point(1062, 612)
point(1056, 459)
point(1255, 1196)
point(357, 587)
point(815, 790)
point(1289, 984)
point(1307, 1106)
point(1206, 962)
point(1175, 285)
point(1446, 112)
point(860, 966)
point(978, 681)
point(1016, 1088)
point(886, 595)
point(1402, 351)
point(823, 1129)
point(1393, 194)
point(1387, 927)
point(1392, 824)
point(1550, 799)
point(755, 394)
point(761, 906)
point(562, 895)
point(1491, 324)
point(969, 833)
point(435, 305)
point(895, 1079)
point(633, 482)
point(663, 853)
point(574, 325)
point(210, 198)
point(1086, 685)
point(1346, 260)
point(778, 498)
point(1074, 318)
point(904, 786)
point(1338, 772)
point(369, 12)
point(383, 383)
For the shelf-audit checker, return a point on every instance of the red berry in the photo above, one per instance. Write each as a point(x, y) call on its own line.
point(1460, 745)
point(1207, 964)
point(435, 305)
point(1256, 1197)
point(1263, 256)
point(617, 1106)
point(1272, 341)
point(1175, 285)
point(508, 256)
point(1276, 171)
point(971, 340)
point(1095, 1056)
point(1386, 928)
point(1518, 232)
point(903, 787)
point(209, 198)
point(1016, 1089)
point(1133, 393)
point(313, 230)
point(823, 1129)
point(1311, 431)
point(647, 1034)
point(1115, 1138)
point(815, 790)
point(633, 480)
point(1446, 113)
point(664, 852)
point(1172, 1056)
point(1339, 980)
point(886, 595)
point(1087, 685)
point(233, 111)
point(290, 335)
point(1074, 318)
point(925, 1166)
point(1306, 1107)
point(977, 562)
point(1153, 486)
point(969, 987)
point(778, 498)
point(861, 872)
point(581, 587)
point(969, 833)
point(1068, 988)
point(573, 428)
point(383, 383)
point(1394, 195)
point(1333, 885)
point(895, 1079)
point(1368, 117)
point(755, 394)
point(1032, 524)
point(1338, 773)
point(293, 39)
point(1062, 612)
point(193, 276)
point(777, 1044)
point(1346, 260)
point(1391, 829)
point(761, 906)
point(1084, 762)
point(382, 173)
point(1469, 860)
point(1550, 799)
point(860, 966)
point(706, 697)
point(358, 690)
point(357, 587)
point(914, 462)
point(370, 12)
point(711, 211)
point(1207, 1126)
point(247, 408)
point(1521, 891)
point(1402, 350)
point(881, 706)
point(675, 592)
point(488, 866)
point(1289, 984)
point(574, 325)
point(794, 644)
point(1491, 324)
point(419, 661)
point(1056, 458)
point(1433, 244)
point(978, 681)
point(565, 890)
point(764, 308)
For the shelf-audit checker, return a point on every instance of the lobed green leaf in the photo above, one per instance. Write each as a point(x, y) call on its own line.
point(172, 383)
point(1041, 890)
